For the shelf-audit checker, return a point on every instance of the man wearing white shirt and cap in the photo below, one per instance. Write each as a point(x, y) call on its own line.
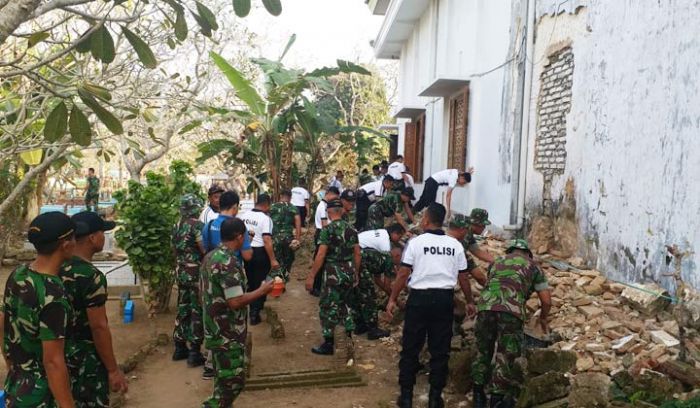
point(211, 212)
point(451, 178)
point(432, 264)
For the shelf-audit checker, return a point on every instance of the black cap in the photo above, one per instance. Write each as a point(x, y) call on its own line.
point(348, 195)
point(388, 177)
point(215, 188)
point(334, 204)
point(89, 222)
point(50, 227)
point(408, 191)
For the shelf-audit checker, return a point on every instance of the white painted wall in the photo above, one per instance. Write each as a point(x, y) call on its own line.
point(470, 37)
point(633, 140)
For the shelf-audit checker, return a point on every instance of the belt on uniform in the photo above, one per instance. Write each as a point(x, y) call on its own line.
point(432, 291)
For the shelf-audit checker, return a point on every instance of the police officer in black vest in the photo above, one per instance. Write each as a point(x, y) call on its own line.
point(432, 264)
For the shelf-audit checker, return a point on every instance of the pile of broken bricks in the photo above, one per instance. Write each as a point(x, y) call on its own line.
point(622, 335)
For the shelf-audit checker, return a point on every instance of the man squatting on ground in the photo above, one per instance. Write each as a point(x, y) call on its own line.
point(499, 324)
point(376, 264)
point(225, 299)
point(258, 268)
point(340, 252)
point(435, 263)
point(189, 251)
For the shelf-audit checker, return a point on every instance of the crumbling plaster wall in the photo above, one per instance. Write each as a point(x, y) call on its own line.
point(632, 135)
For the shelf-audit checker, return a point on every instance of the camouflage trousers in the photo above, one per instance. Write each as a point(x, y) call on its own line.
point(91, 201)
point(188, 322)
point(283, 253)
point(501, 333)
point(229, 380)
point(364, 304)
point(88, 375)
point(336, 298)
point(375, 218)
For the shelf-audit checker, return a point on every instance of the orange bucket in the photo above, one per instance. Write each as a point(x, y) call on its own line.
point(277, 289)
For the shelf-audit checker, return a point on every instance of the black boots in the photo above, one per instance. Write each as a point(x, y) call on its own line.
point(435, 399)
point(325, 349)
point(181, 352)
point(405, 399)
point(501, 401)
point(195, 357)
point(255, 317)
point(375, 333)
point(361, 329)
point(479, 396)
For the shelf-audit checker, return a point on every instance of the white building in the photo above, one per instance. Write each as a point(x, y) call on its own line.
point(581, 117)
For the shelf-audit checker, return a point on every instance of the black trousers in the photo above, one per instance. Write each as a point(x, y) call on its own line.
point(257, 270)
point(318, 279)
point(429, 195)
point(429, 313)
point(302, 214)
point(361, 210)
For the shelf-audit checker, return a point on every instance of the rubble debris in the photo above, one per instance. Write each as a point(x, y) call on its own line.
point(541, 361)
point(649, 301)
point(663, 338)
point(681, 371)
point(544, 388)
point(589, 390)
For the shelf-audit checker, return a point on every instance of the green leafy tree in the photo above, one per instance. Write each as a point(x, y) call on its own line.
point(146, 215)
point(272, 117)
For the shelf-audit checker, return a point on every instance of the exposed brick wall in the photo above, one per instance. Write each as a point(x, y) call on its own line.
point(553, 106)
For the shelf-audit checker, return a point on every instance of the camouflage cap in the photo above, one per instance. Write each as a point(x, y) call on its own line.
point(190, 204)
point(479, 216)
point(459, 221)
point(517, 244)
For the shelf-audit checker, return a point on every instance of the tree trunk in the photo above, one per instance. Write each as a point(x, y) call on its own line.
point(271, 156)
point(36, 199)
point(13, 14)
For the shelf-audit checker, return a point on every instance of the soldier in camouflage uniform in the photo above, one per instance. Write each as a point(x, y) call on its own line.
point(92, 191)
point(391, 206)
point(478, 220)
point(225, 303)
point(348, 198)
point(287, 222)
point(338, 248)
point(459, 229)
point(89, 355)
point(189, 250)
point(35, 318)
point(376, 265)
point(499, 324)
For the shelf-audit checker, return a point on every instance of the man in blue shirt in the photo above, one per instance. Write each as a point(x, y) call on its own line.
point(211, 238)
point(211, 233)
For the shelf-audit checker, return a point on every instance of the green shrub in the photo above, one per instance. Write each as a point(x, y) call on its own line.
point(146, 214)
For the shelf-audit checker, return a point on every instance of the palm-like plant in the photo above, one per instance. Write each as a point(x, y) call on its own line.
point(279, 121)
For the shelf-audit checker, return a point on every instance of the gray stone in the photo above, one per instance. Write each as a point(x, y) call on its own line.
point(543, 388)
point(540, 361)
point(590, 390)
point(26, 255)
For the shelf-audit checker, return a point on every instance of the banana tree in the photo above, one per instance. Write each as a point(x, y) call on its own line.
point(270, 131)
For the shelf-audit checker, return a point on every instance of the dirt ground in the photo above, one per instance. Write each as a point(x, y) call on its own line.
point(160, 382)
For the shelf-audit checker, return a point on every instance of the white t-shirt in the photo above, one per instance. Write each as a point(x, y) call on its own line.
point(208, 215)
point(396, 170)
point(321, 214)
point(373, 189)
point(337, 184)
point(259, 223)
point(409, 180)
point(375, 239)
point(436, 260)
point(446, 177)
point(299, 196)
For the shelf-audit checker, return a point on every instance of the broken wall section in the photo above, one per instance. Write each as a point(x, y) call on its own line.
point(630, 137)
